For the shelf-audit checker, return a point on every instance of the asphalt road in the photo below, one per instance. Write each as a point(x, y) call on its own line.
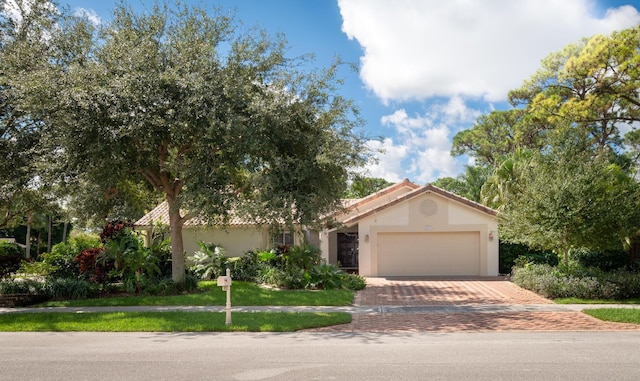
point(320, 356)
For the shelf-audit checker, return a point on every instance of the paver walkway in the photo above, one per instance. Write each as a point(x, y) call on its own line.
point(463, 304)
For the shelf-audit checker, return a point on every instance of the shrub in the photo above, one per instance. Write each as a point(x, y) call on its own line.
point(158, 286)
point(272, 275)
point(604, 260)
point(303, 257)
point(353, 282)
point(69, 288)
point(10, 257)
point(37, 268)
point(92, 269)
point(160, 253)
point(113, 229)
point(209, 262)
point(324, 276)
point(244, 268)
point(268, 258)
point(26, 286)
point(61, 259)
point(577, 281)
point(512, 252)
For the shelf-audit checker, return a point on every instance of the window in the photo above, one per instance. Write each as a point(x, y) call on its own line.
point(283, 238)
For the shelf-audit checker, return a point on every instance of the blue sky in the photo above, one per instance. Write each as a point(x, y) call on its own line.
point(428, 68)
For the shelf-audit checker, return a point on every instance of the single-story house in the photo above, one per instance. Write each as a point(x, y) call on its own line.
point(403, 230)
point(237, 237)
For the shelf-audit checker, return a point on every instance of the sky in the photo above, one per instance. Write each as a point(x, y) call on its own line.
point(427, 68)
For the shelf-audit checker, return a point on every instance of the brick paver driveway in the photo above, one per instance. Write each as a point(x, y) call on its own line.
point(462, 304)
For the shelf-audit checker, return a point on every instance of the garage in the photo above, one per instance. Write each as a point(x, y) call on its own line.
point(412, 230)
point(428, 253)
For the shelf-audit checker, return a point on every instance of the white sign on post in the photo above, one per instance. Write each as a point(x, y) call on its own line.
point(225, 283)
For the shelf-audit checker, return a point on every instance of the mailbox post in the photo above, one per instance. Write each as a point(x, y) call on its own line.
point(225, 283)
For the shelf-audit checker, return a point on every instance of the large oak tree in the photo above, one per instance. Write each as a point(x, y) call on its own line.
point(215, 117)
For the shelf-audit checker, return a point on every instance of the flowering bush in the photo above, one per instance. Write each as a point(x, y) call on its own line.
point(92, 269)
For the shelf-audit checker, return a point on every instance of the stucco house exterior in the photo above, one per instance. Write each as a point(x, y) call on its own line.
point(412, 230)
point(237, 237)
point(403, 230)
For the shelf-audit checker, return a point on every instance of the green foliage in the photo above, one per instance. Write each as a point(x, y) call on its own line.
point(498, 134)
point(324, 276)
point(27, 286)
point(578, 282)
point(204, 111)
point(607, 260)
point(269, 258)
point(353, 282)
point(20, 131)
point(301, 267)
point(245, 268)
point(209, 262)
point(62, 255)
point(273, 276)
point(591, 85)
point(570, 198)
point(512, 253)
point(363, 186)
point(160, 254)
point(62, 288)
point(10, 257)
point(133, 262)
point(468, 184)
point(301, 257)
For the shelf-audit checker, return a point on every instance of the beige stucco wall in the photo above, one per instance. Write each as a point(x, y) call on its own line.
point(235, 240)
point(417, 216)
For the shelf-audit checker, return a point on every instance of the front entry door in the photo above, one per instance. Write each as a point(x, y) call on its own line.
point(348, 251)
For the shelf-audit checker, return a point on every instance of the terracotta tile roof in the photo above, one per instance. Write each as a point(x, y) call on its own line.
point(381, 193)
point(160, 214)
point(428, 188)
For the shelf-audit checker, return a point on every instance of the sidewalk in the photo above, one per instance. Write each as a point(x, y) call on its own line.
point(431, 309)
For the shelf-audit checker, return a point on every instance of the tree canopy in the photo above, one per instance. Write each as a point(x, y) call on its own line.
point(362, 186)
point(560, 159)
point(219, 120)
point(569, 198)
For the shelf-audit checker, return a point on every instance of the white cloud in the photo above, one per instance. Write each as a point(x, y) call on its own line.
point(416, 49)
point(389, 160)
point(89, 14)
point(421, 149)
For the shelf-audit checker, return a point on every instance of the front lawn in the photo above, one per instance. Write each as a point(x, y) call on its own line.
point(596, 301)
point(209, 294)
point(168, 321)
point(619, 315)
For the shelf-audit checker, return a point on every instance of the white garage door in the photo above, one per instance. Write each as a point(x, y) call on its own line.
point(423, 254)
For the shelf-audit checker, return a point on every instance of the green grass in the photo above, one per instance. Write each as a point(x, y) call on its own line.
point(619, 315)
point(595, 301)
point(209, 294)
point(168, 321)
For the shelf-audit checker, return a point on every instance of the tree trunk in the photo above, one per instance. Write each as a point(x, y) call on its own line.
point(38, 242)
point(64, 232)
point(49, 228)
point(28, 238)
point(177, 246)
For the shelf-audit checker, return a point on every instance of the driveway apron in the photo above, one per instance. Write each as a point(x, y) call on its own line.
point(462, 304)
